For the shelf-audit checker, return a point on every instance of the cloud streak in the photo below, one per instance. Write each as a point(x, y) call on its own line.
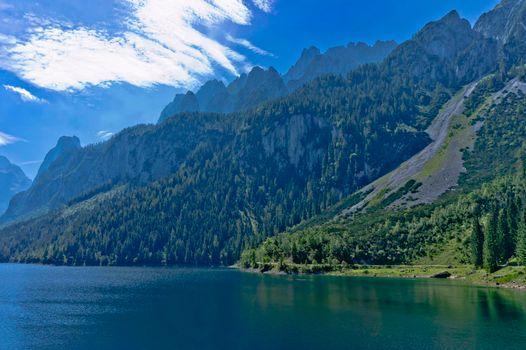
point(163, 43)
point(24, 94)
point(248, 45)
point(6, 139)
point(105, 135)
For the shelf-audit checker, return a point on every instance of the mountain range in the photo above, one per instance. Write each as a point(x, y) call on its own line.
point(320, 159)
point(260, 85)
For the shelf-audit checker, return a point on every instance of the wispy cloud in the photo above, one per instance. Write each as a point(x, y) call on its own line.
point(264, 5)
point(31, 162)
point(163, 43)
point(248, 45)
point(105, 135)
point(6, 139)
point(24, 94)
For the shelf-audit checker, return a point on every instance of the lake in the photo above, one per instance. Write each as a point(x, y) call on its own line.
point(43, 307)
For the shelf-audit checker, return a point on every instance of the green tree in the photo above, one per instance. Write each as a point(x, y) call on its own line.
point(477, 243)
point(503, 236)
point(521, 239)
point(511, 222)
point(491, 242)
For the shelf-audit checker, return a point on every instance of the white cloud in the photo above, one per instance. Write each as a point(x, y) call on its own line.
point(247, 44)
point(105, 135)
point(6, 139)
point(24, 94)
point(264, 5)
point(7, 39)
point(162, 44)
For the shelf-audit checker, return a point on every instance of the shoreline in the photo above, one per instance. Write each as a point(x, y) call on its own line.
point(510, 277)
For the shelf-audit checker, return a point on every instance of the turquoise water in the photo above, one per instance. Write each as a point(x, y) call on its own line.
point(45, 307)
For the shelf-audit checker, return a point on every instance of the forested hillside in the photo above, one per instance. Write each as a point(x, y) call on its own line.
point(224, 183)
point(482, 222)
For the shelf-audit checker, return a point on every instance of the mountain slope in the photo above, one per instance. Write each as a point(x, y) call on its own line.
point(252, 174)
point(12, 181)
point(136, 155)
point(434, 233)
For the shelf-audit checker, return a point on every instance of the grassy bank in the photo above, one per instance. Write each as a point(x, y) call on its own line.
point(507, 277)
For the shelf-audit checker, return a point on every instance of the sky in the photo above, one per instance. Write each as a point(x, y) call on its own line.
point(92, 68)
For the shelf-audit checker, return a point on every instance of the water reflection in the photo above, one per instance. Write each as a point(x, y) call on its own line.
point(120, 308)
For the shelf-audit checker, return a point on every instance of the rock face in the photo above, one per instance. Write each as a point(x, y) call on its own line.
point(260, 85)
point(452, 40)
point(337, 60)
point(503, 21)
point(436, 37)
point(506, 24)
point(12, 181)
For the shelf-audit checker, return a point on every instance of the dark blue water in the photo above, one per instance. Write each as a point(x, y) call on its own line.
point(141, 308)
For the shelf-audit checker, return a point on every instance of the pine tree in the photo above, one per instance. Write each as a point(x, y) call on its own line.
point(491, 254)
point(512, 219)
point(521, 238)
point(503, 234)
point(477, 242)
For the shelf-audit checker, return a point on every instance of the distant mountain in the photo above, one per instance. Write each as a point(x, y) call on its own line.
point(337, 60)
point(12, 181)
point(246, 91)
point(260, 85)
point(64, 145)
point(137, 155)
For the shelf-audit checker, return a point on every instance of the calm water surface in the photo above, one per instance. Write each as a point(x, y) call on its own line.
point(146, 308)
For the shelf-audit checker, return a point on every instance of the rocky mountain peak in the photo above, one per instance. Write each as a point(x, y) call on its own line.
point(65, 144)
point(68, 142)
point(501, 22)
point(446, 37)
point(336, 60)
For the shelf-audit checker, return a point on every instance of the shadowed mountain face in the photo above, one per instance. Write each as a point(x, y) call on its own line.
point(337, 60)
point(258, 86)
point(247, 91)
point(507, 25)
point(210, 184)
point(12, 181)
point(136, 155)
point(64, 146)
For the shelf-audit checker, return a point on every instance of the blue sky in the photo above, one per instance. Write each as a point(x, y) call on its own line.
point(91, 68)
